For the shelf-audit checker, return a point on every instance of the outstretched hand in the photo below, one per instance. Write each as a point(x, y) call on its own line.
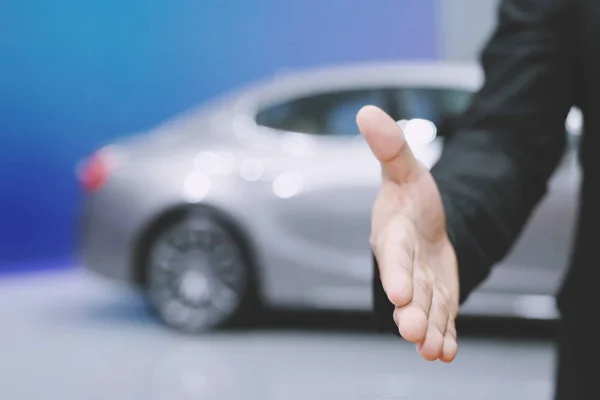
point(417, 263)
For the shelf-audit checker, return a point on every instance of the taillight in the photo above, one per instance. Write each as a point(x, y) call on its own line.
point(94, 171)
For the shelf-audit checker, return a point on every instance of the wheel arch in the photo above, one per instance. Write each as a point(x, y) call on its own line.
point(160, 221)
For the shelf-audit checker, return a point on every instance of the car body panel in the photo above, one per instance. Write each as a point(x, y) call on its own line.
point(303, 201)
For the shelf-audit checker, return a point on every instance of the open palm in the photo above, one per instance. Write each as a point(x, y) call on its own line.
point(416, 260)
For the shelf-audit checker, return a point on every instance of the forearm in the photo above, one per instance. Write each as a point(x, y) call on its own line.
point(495, 169)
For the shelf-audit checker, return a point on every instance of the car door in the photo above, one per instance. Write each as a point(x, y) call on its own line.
point(321, 232)
point(333, 213)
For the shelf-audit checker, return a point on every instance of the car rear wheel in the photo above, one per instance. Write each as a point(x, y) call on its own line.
point(198, 275)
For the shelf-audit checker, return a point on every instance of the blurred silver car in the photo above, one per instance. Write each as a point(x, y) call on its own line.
point(263, 197)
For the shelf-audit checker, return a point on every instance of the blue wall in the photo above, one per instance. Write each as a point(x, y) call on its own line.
point(76, 74)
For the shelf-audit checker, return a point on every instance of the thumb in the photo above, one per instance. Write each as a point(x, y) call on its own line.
point(388, 144)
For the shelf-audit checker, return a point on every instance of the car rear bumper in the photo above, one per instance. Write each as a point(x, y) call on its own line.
point(105, 243)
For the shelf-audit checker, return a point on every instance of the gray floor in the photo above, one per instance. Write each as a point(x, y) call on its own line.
point(69, 336)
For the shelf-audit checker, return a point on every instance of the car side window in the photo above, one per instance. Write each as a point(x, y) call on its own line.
point(441, 106)
point(332, 114)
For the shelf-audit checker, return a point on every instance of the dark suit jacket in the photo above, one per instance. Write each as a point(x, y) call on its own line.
point(543, 58)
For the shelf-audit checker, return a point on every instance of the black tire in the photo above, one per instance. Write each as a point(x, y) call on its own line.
point(198, 272)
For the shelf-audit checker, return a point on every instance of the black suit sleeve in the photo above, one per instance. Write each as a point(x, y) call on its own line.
point(495, 168)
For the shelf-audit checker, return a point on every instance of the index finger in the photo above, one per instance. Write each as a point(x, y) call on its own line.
point(394, 252)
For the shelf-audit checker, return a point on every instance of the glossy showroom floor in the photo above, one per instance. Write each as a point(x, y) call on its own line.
point(69, 336)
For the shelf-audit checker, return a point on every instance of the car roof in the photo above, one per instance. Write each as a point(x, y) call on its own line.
point(287, 85)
